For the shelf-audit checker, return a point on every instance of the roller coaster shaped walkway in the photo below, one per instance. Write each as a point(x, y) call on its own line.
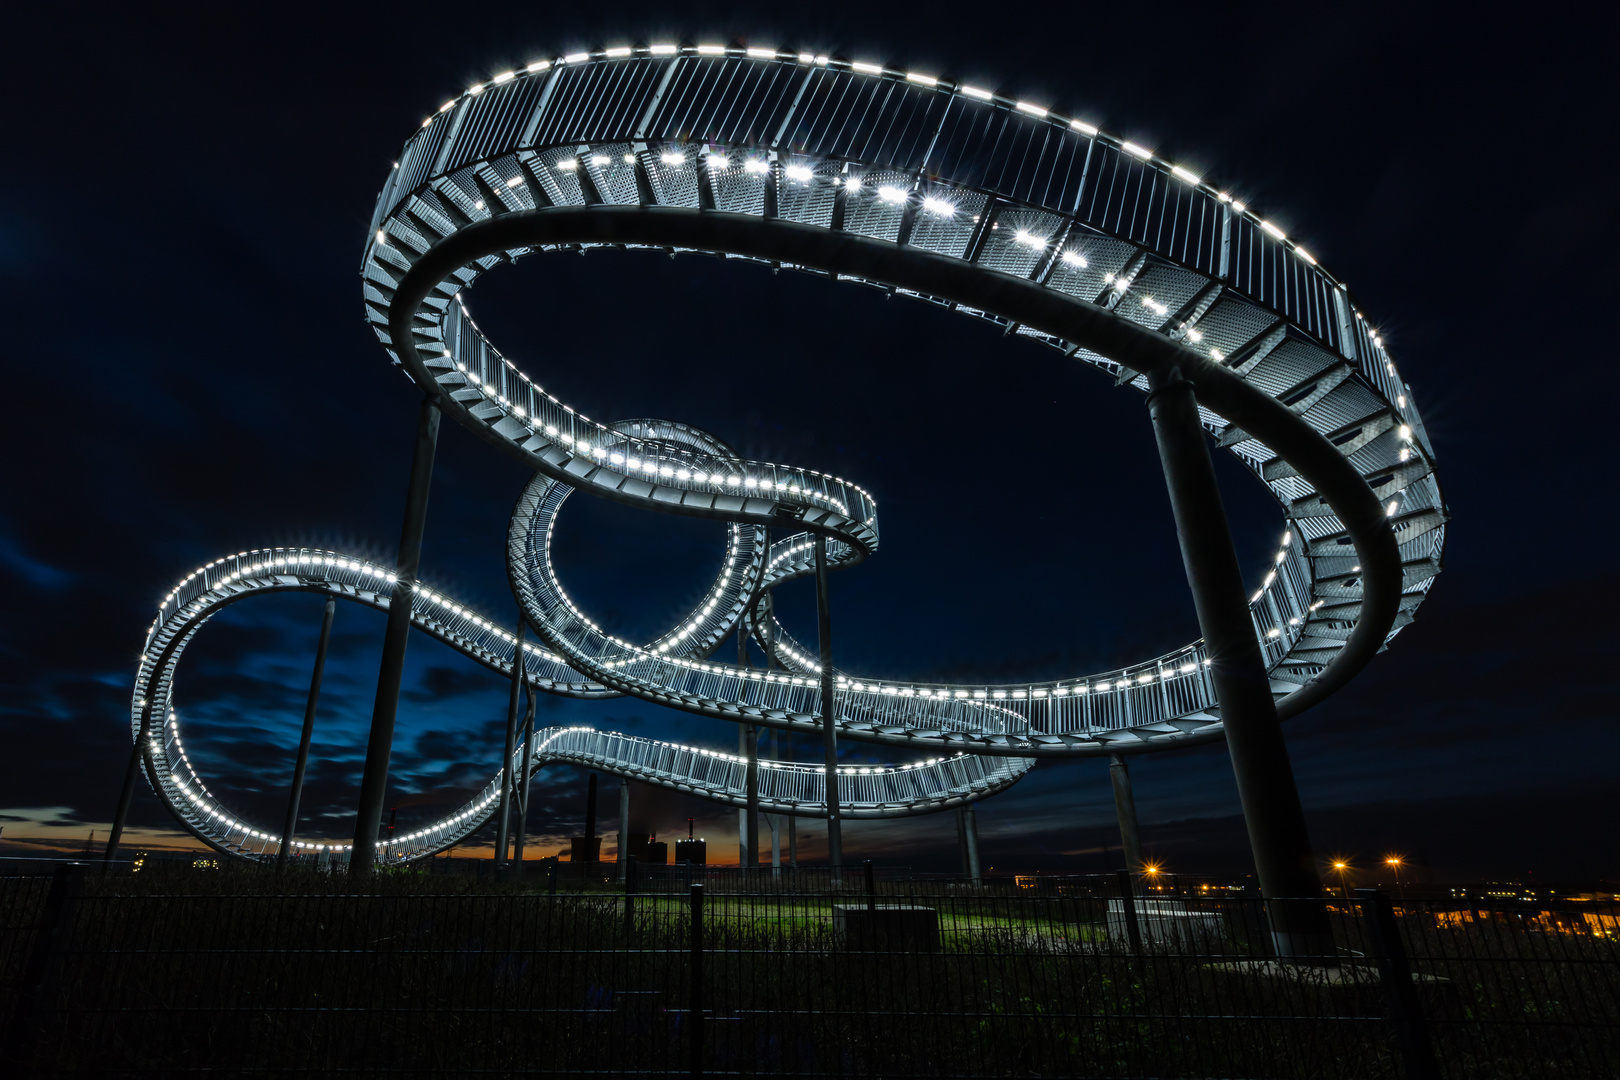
point(922, 187)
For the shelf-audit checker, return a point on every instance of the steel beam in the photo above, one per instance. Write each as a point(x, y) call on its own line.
point(304, 737)
point(374, 780)
point(970, 830)
point(1271, 808)
point(1125, 808)
point(624, 829)
point(521, 780)
point(829, 713)
point(503, 815)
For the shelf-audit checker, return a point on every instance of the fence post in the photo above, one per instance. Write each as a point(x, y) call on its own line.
point(1127, 902)
point(66, 883)
point(1405, 1011)
point(629, 898)
point(695, 990)
point(871, 890)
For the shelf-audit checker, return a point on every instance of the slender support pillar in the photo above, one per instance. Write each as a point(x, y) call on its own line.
point(590, 817)
point(1265, 778)
point(961, 841)
point(521, 778)
point(624, 830)
point(742, 750)
point(302, 761)
point(1125, 807)
point(970, 829)
point(751, 853)
point(776, 820)
point(829, 713)
point(793, 842)
point(503, 813)
point(374, 781)
point(127, 792)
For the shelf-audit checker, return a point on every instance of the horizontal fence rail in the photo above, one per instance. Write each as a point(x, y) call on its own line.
point(692, 969)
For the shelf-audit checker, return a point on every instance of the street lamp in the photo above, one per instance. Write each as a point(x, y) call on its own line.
point(1394, 862)
point(1342, 868)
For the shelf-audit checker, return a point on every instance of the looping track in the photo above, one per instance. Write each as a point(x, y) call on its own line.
point(928, 189)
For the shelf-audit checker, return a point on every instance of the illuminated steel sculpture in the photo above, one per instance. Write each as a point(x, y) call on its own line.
point(923, 187)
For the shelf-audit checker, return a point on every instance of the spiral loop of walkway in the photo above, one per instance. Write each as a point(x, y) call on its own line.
point(927, 188)
point(869, 790)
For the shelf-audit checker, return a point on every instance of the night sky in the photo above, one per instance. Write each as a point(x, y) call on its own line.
point(185, 200)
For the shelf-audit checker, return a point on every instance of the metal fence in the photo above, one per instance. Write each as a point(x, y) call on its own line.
point(687, 970)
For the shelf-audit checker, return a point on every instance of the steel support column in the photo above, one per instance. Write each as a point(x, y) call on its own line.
point(775, 820)
point(302, 761)
point(1125, 808)
point(590, 818)
point(970, 829)
point(829, 712)
point(374, 781)
point(751, 779)
point(961, 841)
point(624, 829)
point(521, 779)
point(1265, 778)
point(127, 792)
point(503, 812)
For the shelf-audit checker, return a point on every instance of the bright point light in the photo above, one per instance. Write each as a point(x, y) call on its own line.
point(670, 157)
point(515, 181)
point(800, 173)
point(629, 159)
point(762, 54)
point(1239, 207)
point(576, 58)
point(866, 69)
point(506, 76)
point(661, 50)
point(1302, 253)
point(711, 50)
point(1406, 432)
point(1029, 238)
point(853, 183)
point(568, 164)
point(1033, 110)
point(600, 159)
point(1273, 230)
point(938, 206)
point(1083, 127)
point(755, 165)
point(1075, 259)
point(975, 92)
point(1182, 174)
point(925, 80)
point(892, 194)
point(617, 51)
point(1140, 151)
